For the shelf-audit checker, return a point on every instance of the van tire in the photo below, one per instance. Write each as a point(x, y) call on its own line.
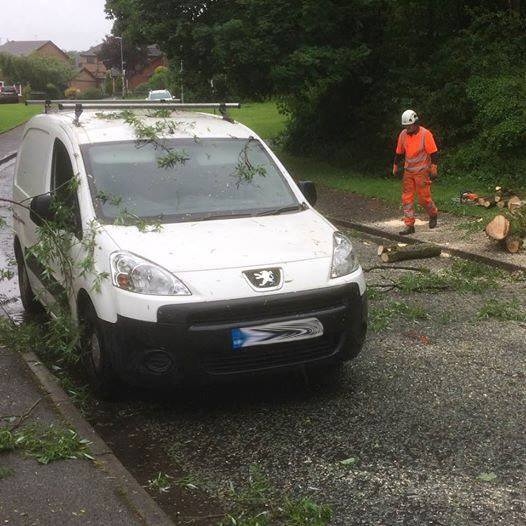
point(96, 349)
point(27, 296)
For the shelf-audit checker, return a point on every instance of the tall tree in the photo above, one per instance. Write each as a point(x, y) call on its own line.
point(133, 55)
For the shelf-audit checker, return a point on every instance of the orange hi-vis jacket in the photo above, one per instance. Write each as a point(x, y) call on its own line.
point(417, 149)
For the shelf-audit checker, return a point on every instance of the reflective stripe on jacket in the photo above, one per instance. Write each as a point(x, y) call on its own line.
point(417, 149)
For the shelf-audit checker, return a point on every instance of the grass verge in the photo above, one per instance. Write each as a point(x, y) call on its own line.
point(262, 117)
point(12, 115)
point(387, 188)
point(265, 119)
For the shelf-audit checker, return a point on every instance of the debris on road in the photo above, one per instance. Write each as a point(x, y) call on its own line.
point(401, 253)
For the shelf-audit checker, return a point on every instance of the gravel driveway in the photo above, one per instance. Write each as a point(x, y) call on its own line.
point(429, 419)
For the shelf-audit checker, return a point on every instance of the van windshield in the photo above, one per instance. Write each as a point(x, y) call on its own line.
point(185, 180)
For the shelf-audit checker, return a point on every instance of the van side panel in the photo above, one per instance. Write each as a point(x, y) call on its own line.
point(32, 170)
point(31, 178)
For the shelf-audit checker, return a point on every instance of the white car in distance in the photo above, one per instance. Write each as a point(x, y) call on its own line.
point(162, 95)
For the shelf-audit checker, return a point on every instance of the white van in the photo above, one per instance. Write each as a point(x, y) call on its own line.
point(214, 265)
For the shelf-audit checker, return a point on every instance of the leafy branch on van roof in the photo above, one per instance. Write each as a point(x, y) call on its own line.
point(244, 169)
point(153, 134)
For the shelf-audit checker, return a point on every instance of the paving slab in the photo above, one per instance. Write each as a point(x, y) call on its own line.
point(67, 491)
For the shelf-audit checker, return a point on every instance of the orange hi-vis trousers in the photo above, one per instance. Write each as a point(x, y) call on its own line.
point(421, 185)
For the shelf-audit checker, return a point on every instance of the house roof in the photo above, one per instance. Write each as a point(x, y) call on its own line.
point(22, 48)
point(93, 51)
point(81, 70)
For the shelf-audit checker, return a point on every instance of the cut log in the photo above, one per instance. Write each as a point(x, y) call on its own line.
point(514, 203)
point(498, 228)
point(486, 202)
point(419, 251)
point(501, 204)
point(513, 244)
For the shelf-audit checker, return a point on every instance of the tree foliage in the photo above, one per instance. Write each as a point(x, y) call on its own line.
point(37, 71)
point(133, 55)
point(344, 71)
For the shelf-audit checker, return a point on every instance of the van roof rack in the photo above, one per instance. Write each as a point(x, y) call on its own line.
point(80, 105)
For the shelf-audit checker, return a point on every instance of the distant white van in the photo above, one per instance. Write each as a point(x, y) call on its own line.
point(236, 272)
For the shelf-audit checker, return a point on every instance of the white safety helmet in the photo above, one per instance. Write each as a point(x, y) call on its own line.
point(409, 117)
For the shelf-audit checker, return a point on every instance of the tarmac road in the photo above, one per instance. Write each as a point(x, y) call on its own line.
point(432, 412)
point(430, 408)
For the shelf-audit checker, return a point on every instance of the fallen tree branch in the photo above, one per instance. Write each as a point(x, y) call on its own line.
point(388, 267)
point(26, 415)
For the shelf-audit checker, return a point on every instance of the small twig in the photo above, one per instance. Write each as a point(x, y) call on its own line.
point(386, 286)
point(189, 519)
point(386, 267)
point(26, 415)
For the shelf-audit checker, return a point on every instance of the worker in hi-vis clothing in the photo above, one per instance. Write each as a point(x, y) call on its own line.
point(417, 145)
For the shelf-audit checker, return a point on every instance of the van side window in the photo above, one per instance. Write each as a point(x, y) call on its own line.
point(62, 186)
point(33, 164)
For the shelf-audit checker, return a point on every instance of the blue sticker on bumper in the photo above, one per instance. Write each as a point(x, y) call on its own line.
point(273, 333)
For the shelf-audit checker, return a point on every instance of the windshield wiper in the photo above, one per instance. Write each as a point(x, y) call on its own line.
point(223, 216)
point(276, 211)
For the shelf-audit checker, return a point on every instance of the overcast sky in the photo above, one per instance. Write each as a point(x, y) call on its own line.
point(70, 24)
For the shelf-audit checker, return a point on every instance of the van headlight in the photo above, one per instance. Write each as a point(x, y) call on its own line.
point(343, 259)
point(135, 274)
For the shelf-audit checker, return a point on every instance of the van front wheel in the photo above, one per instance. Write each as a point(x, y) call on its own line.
point(97, 344)
point(27, 296)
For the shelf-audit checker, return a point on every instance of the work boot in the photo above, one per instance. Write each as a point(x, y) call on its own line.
point(433, 221)
point(409, 229)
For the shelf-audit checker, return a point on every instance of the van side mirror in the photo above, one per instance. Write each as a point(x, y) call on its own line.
point(308, 189)
point(41, 209)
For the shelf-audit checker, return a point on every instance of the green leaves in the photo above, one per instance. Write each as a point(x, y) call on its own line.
point(349, 461)
point(45, 443)
point(487, 477)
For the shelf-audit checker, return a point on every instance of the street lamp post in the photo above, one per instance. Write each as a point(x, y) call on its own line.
point(181, 73)
point(123, 76)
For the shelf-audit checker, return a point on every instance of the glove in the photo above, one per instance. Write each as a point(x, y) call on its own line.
point(433, 172)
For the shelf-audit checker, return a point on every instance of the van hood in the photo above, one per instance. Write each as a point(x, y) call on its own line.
point(230, 243)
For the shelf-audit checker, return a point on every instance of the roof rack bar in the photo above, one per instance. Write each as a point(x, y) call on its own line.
point(101, 101)
point(86, 105)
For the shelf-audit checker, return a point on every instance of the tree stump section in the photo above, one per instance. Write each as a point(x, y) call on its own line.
point(498, 228)
point(514, 203)
point(513, 244)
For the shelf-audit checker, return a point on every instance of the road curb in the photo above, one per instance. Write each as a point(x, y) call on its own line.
point(132, 492)
point(7, 158)
point(378, 232)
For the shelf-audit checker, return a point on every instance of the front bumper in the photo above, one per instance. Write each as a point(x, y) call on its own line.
point(194, 340)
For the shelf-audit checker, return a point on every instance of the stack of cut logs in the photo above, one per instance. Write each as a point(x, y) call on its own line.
point(503, 198)
point(509, 227)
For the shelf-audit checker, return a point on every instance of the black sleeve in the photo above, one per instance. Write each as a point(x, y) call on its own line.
point(434, 158)
point(399, 157)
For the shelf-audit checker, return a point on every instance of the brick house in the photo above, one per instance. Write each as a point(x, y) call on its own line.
point(42, 48)
point(84, 79)
point(142, 74)
point(91, 72)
